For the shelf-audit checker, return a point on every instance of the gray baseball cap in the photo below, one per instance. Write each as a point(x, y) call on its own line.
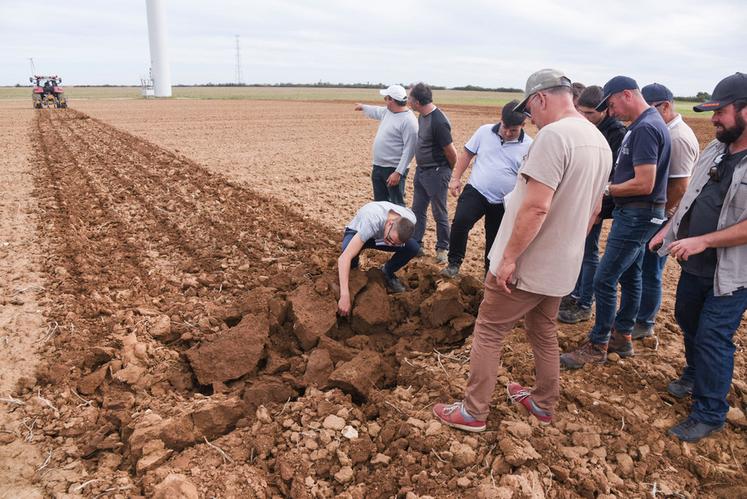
point(542, 80)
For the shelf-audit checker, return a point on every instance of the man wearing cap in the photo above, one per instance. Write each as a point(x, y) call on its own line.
point(708, 237)
point(394, 145)
point(559, 188)
point(498, 150)
point(435, 156)
point(685, 150)
point(639, 190)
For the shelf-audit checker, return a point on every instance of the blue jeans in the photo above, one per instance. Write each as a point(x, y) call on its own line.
point(652, 270)
point(402, 254)
point(708, 323)
point(584, 290)
point(381, 191)
point(622, 262)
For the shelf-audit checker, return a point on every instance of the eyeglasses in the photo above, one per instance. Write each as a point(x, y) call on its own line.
point(389, 240)
point(658, 104)
point(526, 111)
point(713, 172)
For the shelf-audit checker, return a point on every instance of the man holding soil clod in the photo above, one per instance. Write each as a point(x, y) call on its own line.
point(383, 226)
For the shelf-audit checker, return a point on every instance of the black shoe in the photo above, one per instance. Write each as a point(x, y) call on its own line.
point(566, 302)
point(641, 331)
point(680, 388)
point(393, 284)
point(421, 253)
point(690, 430)
point(574, 314)
point(451, 271)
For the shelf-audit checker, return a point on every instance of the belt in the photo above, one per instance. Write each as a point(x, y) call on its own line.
point(640, 204)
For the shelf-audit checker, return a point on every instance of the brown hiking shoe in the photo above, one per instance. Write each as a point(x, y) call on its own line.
point(621, 344)
point(588, 353)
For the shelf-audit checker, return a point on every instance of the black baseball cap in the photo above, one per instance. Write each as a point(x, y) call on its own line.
point(656, 92)
point(728, 90)
point(615, 85)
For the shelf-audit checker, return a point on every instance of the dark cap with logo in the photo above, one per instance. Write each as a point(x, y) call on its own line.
point(728, 90)
point(616, 85)
point(656, 92)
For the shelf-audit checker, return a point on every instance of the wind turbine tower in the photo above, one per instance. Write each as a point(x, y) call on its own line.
point(159, 60)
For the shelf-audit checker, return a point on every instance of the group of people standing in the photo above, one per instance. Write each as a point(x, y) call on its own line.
point(544, 201)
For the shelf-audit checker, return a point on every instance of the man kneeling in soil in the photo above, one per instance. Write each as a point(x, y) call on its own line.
point(383, 226)
point(537, 253)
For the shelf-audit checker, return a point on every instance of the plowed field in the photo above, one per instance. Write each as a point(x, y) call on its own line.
point(177, 265)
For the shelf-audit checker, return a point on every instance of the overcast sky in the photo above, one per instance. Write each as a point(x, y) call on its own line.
point(688, 45)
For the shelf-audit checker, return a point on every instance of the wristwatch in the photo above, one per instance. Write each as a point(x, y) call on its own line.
point(607, 190)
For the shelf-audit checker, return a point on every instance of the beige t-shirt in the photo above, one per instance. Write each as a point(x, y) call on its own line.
point(573, 158)
point(685, 148)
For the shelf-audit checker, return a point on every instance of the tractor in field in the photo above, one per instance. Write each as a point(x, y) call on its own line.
point(49, 93)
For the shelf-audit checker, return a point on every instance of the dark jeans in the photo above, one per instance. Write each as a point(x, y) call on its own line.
point(471, 207)
point(431, 186)
point(622, 262)
point(708, 323)
point(402, 254)
point(381, 191)
point(652, 270)
point(584, 290)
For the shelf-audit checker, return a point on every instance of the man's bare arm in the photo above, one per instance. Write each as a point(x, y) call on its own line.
point(641, 184)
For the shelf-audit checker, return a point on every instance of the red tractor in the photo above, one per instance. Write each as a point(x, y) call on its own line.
point(49, 93)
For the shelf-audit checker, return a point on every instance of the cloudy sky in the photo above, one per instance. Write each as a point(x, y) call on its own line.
point(686, 44)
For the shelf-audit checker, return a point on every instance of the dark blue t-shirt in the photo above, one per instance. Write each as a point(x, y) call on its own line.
point(646, 142)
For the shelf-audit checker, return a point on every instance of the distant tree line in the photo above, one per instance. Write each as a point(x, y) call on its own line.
point(699, 97)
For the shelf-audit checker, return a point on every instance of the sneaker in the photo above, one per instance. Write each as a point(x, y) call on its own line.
point(588, 353)
point(517, 394)
point(641, 331)
point(621, 344)
point(567, 301)
point(456, 416)
point(442, 256)
point(574, 313)
point(680, 388)
point(451, 271)
point(691, 430)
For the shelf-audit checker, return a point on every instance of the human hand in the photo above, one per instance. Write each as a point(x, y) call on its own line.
point(393, 179)
point(504, 275)
point(685, 248)
point(358, 106)
point(455, 186)
point(343, 306)
point(655, 243)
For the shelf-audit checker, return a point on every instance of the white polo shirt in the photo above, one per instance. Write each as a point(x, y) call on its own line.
point(496, 163)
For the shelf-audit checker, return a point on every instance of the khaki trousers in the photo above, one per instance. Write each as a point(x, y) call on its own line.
point(498, 313)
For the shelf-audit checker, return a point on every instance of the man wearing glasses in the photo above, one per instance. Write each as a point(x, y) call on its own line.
point(708, 236)
point(383, 226)
point(394, 145)
point(559, 189)
point(639, 191)
point(685, 150)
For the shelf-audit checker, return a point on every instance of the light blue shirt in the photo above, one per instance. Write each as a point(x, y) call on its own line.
point(496, 162)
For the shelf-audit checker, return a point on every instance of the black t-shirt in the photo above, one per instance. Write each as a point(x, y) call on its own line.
point(646, 142)
point(702, 217)
point(434, 133)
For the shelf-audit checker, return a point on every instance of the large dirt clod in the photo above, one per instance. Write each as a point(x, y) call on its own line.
point(233, 354)
point(443, 305)
point(314, 315)
point(358, 376)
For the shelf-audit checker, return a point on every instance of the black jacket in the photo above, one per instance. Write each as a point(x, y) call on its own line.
point(614, 131)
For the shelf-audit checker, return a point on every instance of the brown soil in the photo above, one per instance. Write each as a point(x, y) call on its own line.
point(190, 344)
